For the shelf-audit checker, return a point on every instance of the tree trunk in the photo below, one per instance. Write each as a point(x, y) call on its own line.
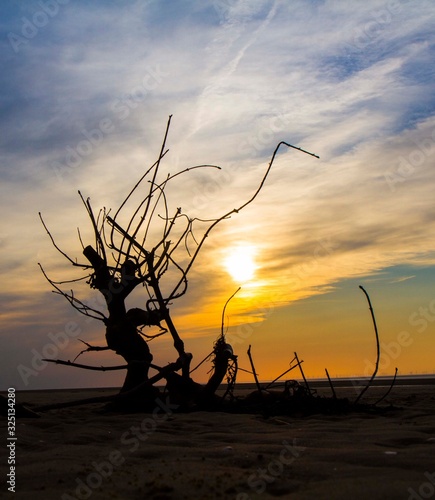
point(121, 330)
point(123, 338)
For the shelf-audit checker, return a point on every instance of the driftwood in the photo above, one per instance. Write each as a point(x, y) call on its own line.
point(296, 398)
point(125, 258)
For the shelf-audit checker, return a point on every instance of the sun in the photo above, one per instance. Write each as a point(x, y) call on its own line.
point(240, 263)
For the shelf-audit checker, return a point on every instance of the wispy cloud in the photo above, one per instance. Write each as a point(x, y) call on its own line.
point(85, 100)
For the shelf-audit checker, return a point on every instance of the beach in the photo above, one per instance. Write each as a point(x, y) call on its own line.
point(83, 452)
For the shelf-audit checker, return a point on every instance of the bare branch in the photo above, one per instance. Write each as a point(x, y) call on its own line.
point(234, 211)
point(74, 263)
point(90, 348)
point(76, 303)
point(153, 180)
point(98, 240)
point(253, 370)
point(223, 311)
point(378, 349)
point(389, 389)
point(284, 373)
point(86, 367)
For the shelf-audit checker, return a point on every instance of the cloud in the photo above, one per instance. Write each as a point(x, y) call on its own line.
point(85, 102)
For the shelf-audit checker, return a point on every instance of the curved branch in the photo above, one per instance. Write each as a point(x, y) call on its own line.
point(378, 349)
point(389, 389)
point(78, 305)
point(234, 211)
point(223, 311)
point(74, 263)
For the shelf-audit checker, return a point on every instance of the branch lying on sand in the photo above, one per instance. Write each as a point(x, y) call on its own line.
point(170, 368)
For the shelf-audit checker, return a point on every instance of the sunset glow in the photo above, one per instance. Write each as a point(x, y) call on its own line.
point(86, 98)
point(240, 263)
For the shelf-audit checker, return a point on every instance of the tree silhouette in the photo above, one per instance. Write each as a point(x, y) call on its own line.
point(149, 253)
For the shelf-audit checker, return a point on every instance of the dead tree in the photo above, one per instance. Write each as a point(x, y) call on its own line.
point(136, 254)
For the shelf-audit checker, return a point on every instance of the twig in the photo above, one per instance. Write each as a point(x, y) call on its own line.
point(378, 349)
point(223, 311)
point(153, 180)
point(90, 348)
point(202, 362)
point(389, 390)
point(74, 263)
point(246, 371)
point(302, 372)
point(282, 374)
point(233, 211)
point(78, 305)
point(253, 370)
point(86, 367)
point(330, 384)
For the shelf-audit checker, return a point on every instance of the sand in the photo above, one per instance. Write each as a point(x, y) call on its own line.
point(78, 452)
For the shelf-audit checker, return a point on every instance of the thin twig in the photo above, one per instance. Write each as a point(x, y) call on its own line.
point(153, 180)
point(253, 370)
point(73, 262)
point(330, 384)
point(78, 305)
point(202, 362)
point(95, 368)
point(86, 367)
point(90, 348)
point(302, 372)
point(234, 211)
point(389, 390)
point(223, 311)
point(378, 349)
point(282, 375)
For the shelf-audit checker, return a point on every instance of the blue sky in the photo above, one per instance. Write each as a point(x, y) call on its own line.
point(86, 90)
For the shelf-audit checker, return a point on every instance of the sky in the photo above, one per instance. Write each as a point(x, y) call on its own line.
point(86, 92)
